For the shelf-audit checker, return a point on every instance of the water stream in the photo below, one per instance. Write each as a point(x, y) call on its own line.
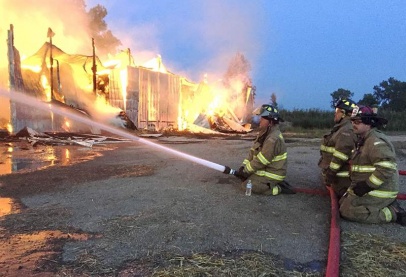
point(35, 103)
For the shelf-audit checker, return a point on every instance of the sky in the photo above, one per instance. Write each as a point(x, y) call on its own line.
point(300, 50)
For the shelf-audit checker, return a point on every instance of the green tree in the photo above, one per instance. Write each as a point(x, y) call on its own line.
point(340, 94)
point(391, 94)
point(369, 100)
point(104, 39)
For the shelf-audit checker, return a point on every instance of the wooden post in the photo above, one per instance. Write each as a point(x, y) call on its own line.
point(129, 56)
point(10, 52)
point(94, 67)
point(50, 34)
point(58, 76)
point(11, 73)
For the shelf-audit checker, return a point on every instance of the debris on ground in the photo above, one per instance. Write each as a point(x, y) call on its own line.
point(59, 138)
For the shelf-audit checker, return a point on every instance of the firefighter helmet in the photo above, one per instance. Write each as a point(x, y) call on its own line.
point(269, 112)
point(345, 104)
point(368, 116)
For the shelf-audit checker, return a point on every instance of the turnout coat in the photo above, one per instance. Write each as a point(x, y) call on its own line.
point(267, 160)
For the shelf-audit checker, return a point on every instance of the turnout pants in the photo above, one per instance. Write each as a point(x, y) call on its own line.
point(262, 185)
point(366, 209)
point(340, 186)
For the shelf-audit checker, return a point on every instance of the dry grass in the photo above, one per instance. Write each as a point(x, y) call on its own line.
point(369, 255)
point(244, 265)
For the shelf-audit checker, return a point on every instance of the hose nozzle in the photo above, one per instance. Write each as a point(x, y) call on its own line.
point(228, 170)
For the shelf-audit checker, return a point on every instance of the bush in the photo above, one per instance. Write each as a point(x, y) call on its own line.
point(309, 119)
point(319, 119)
point(396, 120)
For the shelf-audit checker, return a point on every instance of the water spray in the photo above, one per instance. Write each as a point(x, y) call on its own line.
point(35, 103)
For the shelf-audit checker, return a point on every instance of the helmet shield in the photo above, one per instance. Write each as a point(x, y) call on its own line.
point(362, 111)
point(269, 112)
point(354, 113)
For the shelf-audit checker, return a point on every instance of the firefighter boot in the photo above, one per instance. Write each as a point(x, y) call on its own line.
point(400, 213)
point(286, 188)
point(401, 218)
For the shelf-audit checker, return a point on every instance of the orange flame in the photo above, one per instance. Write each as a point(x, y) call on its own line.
point(34, 68)
point(9, 128)
point(47, 88)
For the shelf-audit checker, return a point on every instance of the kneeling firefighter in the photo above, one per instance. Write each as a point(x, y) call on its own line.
point(266, 163)
point(371, 198)
point(336, 148)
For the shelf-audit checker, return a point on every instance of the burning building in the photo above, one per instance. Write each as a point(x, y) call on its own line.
point(145, 96)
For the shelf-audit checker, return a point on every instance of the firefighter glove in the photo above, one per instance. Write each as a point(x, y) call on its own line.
point(361, 188)
point(330, 177)
point(241, 174)
point(227, 170)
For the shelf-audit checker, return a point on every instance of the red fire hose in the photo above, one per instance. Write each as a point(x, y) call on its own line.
point(402, 196)
point(333, 261)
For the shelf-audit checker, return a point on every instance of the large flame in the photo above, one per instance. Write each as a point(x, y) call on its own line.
point(45, 13)
point(209, 100)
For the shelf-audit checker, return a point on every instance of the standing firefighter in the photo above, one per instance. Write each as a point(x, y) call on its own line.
point(336, 147)
point(371, 197)
point(266, 163)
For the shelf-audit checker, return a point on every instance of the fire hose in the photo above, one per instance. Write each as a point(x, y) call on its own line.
point(333, 258)
point(401, 196)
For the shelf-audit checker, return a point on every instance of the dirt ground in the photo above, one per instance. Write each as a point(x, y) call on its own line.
point(129, 209)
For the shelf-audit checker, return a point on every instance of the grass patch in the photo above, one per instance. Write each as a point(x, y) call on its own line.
point(370, 255)
point(235, 264)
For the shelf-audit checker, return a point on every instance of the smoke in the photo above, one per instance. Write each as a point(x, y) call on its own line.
point(227, 29)
point(32, 18)
point(194, 38)
point(102, 111)
point(214, 29)
point(140, 39)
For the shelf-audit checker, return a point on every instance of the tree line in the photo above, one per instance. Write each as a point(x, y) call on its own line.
point(389, 95)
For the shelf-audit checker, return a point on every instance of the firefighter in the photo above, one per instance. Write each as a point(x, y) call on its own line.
point(371, 198)
point(266, 163)
point(336, 147)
